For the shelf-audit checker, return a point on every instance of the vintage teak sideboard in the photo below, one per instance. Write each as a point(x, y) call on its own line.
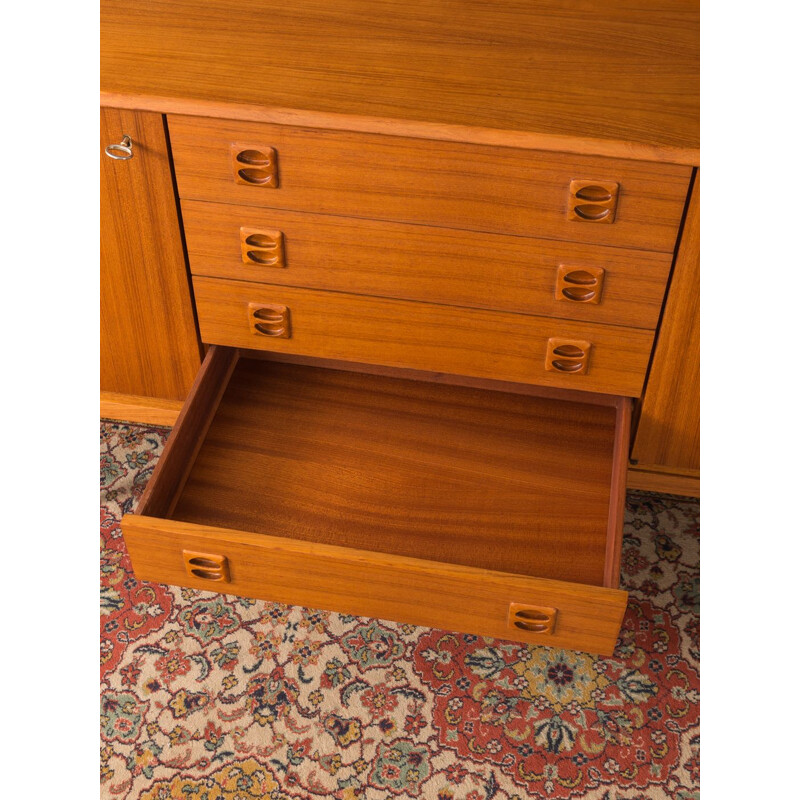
point(417, 283)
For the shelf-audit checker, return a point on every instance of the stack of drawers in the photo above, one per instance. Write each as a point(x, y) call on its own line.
point(488, 262)
point(479, 496)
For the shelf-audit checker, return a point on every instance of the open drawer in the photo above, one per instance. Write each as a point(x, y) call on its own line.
point(489, 511)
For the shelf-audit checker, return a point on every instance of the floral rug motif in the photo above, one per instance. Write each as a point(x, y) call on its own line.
point(207, 696)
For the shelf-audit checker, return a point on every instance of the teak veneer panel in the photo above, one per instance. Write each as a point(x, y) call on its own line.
point(148, 339)
point(609, 78)
point(400, 333)
point(144, 410)
point(449, 184)
point(418, 262)
point(668, 431)
point(500, 481)
point(366, 583)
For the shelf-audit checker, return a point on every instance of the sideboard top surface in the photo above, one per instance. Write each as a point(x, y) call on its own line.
point(604, 78)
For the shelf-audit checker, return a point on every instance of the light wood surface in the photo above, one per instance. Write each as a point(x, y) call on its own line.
point(350, 581)
point(417, 262)
point(493, 189)
point(187, 438)
point(148, 339)
point(474, 342)
point(144, 410)
point(610, 78)
point(668, 430)
point(664, 479)
point(616, 511)
point(507, 482)
point(448, 379)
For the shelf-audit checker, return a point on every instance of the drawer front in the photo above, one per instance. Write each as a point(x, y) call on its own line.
point(473, 187)
point(366, 583)
point(438, 265)
point(471, 342)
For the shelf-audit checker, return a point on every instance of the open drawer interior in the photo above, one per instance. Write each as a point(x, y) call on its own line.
point(385, 496)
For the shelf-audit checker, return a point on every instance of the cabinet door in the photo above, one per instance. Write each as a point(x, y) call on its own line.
point(667, 439)
point(149, 346)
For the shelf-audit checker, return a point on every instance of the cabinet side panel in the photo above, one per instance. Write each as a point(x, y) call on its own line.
point(149, 345)
point(668, 434)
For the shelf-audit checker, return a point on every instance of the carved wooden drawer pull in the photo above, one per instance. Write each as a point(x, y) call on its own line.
point(592, 201)
point(580, 284)
point(209, 566)
point(255, 166)
point(534, 619)
point(269, 320)
point(568, 355)
point(262, 247)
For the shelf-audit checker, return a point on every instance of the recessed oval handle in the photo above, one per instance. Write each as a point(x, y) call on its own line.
point(592, 201)
point(267, 331)
point(261, 258)
point(269, 320)
point(581, 277)
point(568, 351)
point(207, 575)
point(591, 212)
point(533, 627)
point(593, 194)
point(205, 563)
point(534, 619)
point(579, 295)
point(261, 240)
point(254, 158)
point(254, 166)
point(268, 315)
point(257, 177)
point(567, 366)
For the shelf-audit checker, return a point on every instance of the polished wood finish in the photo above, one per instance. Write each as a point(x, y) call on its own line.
point(664, 479)
point(616, 513)
point(260, 247)
point(592, 201)
point(493, 189)
point(478, 343)
point(417, 262)
point(184, 443)
point(410, 468)
point(333, 468)
point(148, 339)
point(668, 430)
point(372, 584)
point(134, 408)
point(598, 77)
point(417, 189)
point(565, 395)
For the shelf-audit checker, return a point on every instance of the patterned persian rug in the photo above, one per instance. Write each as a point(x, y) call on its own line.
point(208, 696)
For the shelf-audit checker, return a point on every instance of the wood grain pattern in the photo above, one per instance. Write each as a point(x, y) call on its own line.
point(529, 390)
point(663, 479)
point(617, 78)
point(144, 410)
point(616, 511)
point(476, 343)
point(507, 482)
point(668, 430)
point(371, 584)
point(186, 440)
point(148, 340)
point(417, 262)
point(474, 187)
